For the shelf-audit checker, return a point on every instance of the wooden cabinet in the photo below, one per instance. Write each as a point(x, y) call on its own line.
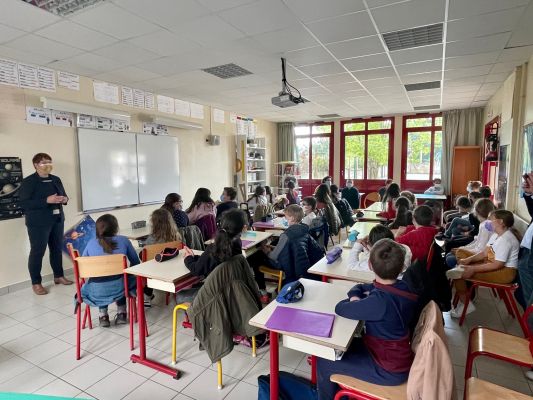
point(466, 166)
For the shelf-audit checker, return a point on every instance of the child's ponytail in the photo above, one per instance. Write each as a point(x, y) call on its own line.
point(227, 239)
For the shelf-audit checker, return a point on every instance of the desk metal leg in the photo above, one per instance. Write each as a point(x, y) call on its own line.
point(274, 366)
point(324, 278)
point(141, 358)
point(313, 370)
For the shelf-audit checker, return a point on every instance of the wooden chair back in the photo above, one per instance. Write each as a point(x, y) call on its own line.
point(149, 251)
point(72, 252)
point(100, 266)
point(371, 198)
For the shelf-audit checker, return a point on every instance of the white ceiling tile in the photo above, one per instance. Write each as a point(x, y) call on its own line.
point(384, 90)
point(343, 88)
point(382, 3)
point(219, 5)
point(21, 15)
point(24, 56)
point(471, 60)
point(94, 62)
point(310, 56)
point(312, 10)
point(330, 68)
point(345, 27)
point(316, 91)
point(356, 47)
point(425, 101)
point(126, 53)
point(484, 24)
point(460, 97)
point(473, 88)
point(72, 68)
point(375, 83)
point(477, 45)
point(112, 20)
point(500, 77)
point(292, 38)
point(335, 79)
point(419, 67)
point(45, 47)
point(164, 43)
point(128, 74)
point(432, 52)
point(423, 93)
point(479, 103)
point(75, 35)
point(463, 9)
point(464, 81)
point(302, 83)
point(375, 73)
point(7, 33)
point(209, 31)
point(506, 67)
point(424, 77)
point(367, 62)
point(467, 72)
point(516, 54)
point(259, 17)
point(409, 14)
point(166, 13)
point(489, 86)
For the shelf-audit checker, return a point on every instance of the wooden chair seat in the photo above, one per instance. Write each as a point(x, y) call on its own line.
point(273, 272)
point(377, 392)
point(477, 389)
point(370, 198)
point(500, 345)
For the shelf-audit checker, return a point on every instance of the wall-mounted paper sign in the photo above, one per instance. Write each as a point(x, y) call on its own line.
point(120, 125)
point(155, 129)
point(165, 104)
point(86, 121)
point(127, 96)
point(138, 98)
point(36, 115)
point(68, 80)
point(105, 92)
point(149, 101)
point(104, 123)
point(197, 111)
point(182, 108)
point(218, 116)
point(62, 118)
point(9, 73)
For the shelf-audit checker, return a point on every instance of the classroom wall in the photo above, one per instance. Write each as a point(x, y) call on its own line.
point(200, 164)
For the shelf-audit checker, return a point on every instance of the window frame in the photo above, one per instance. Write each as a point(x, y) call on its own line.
point(310, 137)
point(366, 184)
point(419, 185)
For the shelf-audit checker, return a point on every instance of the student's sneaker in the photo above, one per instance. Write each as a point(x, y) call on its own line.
point(455, 273)
point(104, 321)
point(148, 300)
point(121, 319)
point(458, 311)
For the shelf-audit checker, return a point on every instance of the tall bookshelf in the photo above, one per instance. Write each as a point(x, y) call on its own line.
point(285, 171)
point(251, 156)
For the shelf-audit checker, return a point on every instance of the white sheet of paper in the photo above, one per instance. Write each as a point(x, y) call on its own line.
point(154, 129)
point(28, 76)
point(240, 127)
point(138, 98)
point(68, 80)
point(121, 125)
point(252, 130)
point(127, 96)
point(165, 104)
point(62, 118)
point(104, 123)
point(9, 74)
point(149, 101)
point(182, 108)
point(218, 116)
point(105, 92)
point(36, 115)
point(197, 110)
point(232, 118)
point(47, 79)
point(86, 121)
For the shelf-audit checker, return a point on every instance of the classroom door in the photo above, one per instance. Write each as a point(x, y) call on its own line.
point(314, 154)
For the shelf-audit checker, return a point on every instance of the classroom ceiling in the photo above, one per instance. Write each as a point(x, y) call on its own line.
point(335, 50)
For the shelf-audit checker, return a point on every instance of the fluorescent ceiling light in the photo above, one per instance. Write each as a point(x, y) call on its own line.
point(175, 123)
point(80, 108)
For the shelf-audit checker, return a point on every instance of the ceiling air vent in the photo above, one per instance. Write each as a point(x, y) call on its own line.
point(426, 108)
point(227, 71)
point(422, 86)
point(326, 116)
point(62, 7)
point(414, 37)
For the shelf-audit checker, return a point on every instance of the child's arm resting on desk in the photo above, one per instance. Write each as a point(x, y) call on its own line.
point(282, 242)
point(371, 308)
point(361, 290)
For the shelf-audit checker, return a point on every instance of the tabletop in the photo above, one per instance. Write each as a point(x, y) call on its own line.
point(253, 238)
point(363, 227)
point(136, 234)
point(167, 271)
point(339, 270)
point(276, 223)
point(424, 196)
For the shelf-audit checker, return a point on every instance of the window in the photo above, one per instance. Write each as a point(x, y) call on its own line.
point(421, 151)
point(366, 150)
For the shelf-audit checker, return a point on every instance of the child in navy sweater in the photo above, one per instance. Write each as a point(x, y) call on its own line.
point(384, 355)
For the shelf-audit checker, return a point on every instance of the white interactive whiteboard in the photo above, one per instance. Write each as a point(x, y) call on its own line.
point(158, 167)
point(122, 169)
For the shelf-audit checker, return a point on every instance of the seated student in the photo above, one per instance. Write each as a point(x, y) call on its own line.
point(227, 201)
point(296, 250)
point(463, 206)
point(473, 196)
point(293, 196)
point(351, 194)
point(482, 209)
point(437, 187)
point(227, 244)
point(383, 356)
point(102, 291)
point(174, 205)
point(344, 208)
point(391, 194)
point(201, 205)
point(404, 216)
point(259, 197)
point(358, 258)
point(383, 189)
point(485, 192)
point(410, 196)
point(436, 207)
point(309, 207)
point(271, 199)
point(325, 204)
point(473, 186)
point(497, 263)
point(419, 236)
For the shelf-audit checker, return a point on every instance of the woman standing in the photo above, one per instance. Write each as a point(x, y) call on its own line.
point(42, 197)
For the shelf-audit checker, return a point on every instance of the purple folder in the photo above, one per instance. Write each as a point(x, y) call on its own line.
point(301, 321)
point(261, 224)
point(246, 243)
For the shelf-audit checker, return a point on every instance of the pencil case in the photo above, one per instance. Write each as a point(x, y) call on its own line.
point(333, 254)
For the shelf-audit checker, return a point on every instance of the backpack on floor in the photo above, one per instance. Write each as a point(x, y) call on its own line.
point(291, 387)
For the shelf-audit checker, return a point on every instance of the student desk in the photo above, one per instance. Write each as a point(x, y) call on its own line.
point(363, 227)
point(256, 238)
point(423, 196)
point(319, 297)
point(275, 224)
point(169, 276)
point(136, 234)
point(376, 207)
point(339, 270)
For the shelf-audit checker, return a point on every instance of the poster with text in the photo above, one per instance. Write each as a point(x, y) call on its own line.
point(10, 181)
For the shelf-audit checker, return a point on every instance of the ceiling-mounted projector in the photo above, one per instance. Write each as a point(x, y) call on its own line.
point(286, 98)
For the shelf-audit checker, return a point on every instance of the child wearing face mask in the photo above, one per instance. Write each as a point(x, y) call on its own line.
point(227, 201)
point(309, 207)
point(351, 194)
point(174, 205)
point(259, 197)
